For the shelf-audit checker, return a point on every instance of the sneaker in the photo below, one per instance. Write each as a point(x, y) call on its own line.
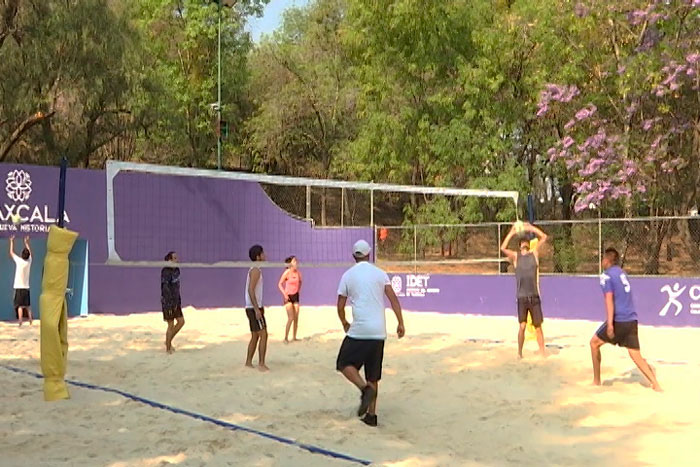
point(370, 420)
point(368, 395)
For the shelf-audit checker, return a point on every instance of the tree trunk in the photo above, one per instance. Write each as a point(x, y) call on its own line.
point(22, 128)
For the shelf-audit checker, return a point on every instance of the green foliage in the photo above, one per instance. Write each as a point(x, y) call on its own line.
point(408, 91)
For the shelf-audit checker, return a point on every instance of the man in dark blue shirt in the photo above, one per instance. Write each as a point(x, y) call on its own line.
point(620, 327)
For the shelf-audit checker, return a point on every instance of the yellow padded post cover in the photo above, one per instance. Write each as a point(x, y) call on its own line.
point(54, 312)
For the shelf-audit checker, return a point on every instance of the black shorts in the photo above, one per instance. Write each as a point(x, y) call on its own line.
point(256, 325)
point(361, 352)
point(172, 311)
point(533, 305)
point(22, 298)
point(293, 298)
point(625, 334)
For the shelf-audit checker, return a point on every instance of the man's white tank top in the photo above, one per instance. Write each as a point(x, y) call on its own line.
point(258, 291)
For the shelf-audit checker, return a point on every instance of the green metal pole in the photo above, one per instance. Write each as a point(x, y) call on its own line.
point(218, 100)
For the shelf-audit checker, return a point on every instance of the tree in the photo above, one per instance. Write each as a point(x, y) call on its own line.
point(63, 88)
point(304, 96)
point(175, 111)
point(637, 138)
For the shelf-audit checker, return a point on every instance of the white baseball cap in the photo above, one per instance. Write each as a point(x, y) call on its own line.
point(361, 248)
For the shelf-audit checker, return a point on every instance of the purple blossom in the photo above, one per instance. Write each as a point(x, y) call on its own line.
point(656, 143)
point(621, 69)
point(570, 124)
point(551, 152)
point(581, 10)
point(586, 112)
point(654, 18)
point(568, 142)
point(596, 140)
point(647, 124)
point(636, 17)
point(592, 167)
point(693, 58)
point(542, 110)
point(690, 71)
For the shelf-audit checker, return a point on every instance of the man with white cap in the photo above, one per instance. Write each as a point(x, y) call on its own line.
point(365, 285)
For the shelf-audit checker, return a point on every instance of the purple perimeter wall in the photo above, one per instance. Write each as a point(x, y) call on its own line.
point(213, 220)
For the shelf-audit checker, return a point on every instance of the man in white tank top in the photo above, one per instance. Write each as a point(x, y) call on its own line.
point(255, 312)
point(365, 285)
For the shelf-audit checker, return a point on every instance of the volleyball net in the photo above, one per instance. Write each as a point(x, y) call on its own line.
point(211, 218)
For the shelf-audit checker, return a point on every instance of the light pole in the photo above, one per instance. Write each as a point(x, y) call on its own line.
point(220, 4)
point(218, 95)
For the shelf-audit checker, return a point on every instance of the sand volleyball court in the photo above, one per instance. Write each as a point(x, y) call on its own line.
point(453, 393)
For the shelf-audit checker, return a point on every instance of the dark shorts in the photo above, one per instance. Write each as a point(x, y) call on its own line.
point(359, 353)
point(172, 311)
point(533, 305)
point(22, 298)
point(293, 298)
point(625, 334)
point(256, 325)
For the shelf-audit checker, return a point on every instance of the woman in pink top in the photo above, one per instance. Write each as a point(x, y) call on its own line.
point(290, 285)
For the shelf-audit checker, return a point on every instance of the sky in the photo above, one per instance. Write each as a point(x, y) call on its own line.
point(272, 17)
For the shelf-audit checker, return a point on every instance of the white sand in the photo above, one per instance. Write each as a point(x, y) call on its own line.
point(443, 401)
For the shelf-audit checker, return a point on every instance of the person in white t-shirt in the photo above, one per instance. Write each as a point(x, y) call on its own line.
point(23, 266)
point(365, 285)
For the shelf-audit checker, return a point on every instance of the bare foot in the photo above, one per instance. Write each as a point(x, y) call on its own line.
point(520, 356)
point(596, 383)
point(170, 351)
point(286, 341)
point(296, 340)
point(263, 368)
point(656, 387)
point(249, 365)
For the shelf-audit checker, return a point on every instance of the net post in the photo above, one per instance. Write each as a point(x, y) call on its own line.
point(62, 192)
point(111, 171)
point(342, 207)
point(500, 268)
point(374, 243)
point(600, 243)
point(371, 207)
point(308, 202)
point(415, 248)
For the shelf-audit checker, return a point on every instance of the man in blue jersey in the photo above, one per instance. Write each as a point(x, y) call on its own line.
point(620, 327)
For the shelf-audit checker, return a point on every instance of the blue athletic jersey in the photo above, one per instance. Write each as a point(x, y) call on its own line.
point(615, 280)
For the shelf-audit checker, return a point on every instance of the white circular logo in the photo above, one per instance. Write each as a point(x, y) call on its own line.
point(18, 186)
point(396, 284)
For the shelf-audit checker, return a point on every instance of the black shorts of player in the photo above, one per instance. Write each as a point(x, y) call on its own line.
point(171, 311)
point(256, 324)
point(362, 352)
point(533, 305)
point(22, 298)
point(625, 334)
point(294, 298)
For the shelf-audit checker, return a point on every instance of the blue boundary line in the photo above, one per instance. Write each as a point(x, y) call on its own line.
point(230, 426)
